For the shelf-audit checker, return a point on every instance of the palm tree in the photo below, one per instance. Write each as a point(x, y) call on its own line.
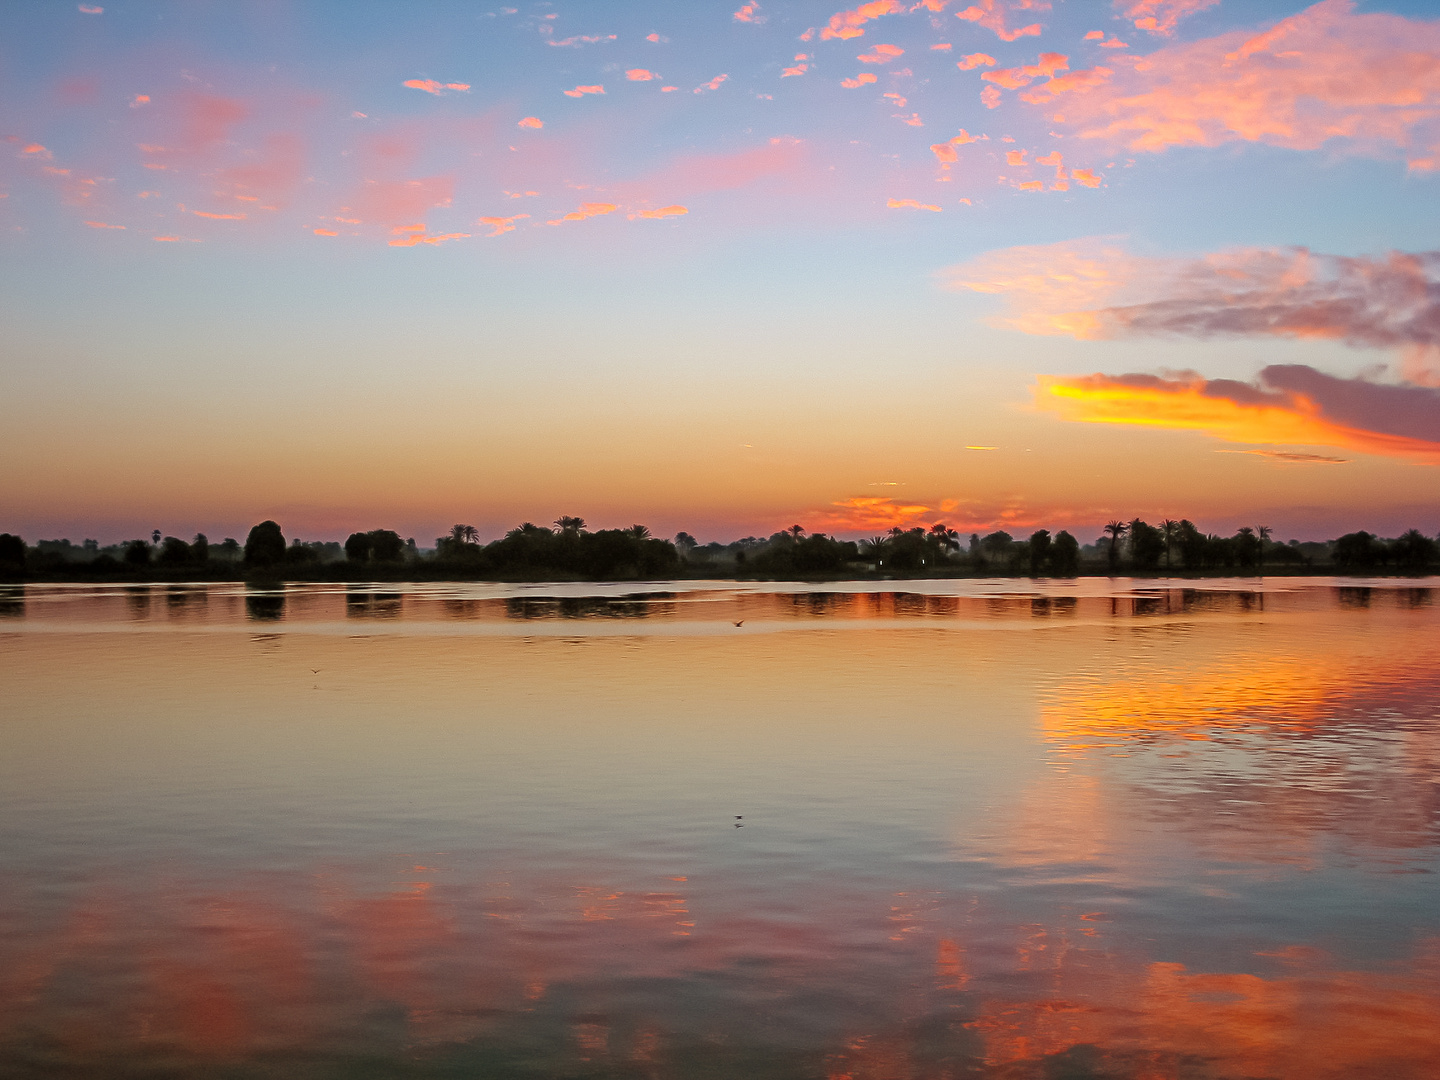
point(1264, 533)
point(464, 534)
point(570, 524)
point(946, 537)
point(877, 547)
point(796, 531)
point(639, 532)
point(1116, 530)
point(1169, 531)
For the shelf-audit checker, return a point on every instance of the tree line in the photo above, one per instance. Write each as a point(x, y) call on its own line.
point(568, 550)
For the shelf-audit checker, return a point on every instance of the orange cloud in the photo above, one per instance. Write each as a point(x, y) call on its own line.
point(415, 237)
point(1161, 16)
point(640, 75)
point(587, 210)
point(798, 69)
point(990, 97)
point(138, 100)
point(943, 46)
point(974, 60)
point(531, 122)
point(218, 217)
point(872, 514)
point(91, 9)
point(1061, 84)
point(35, 150)
point(430, 86)
point(501, 225)
point(749, 12)
point(779, 158)
point(1095, 35)
point(326, 232)
point(993, 14)
point(911, 204)
point(713, 84)
point(846, 24)
point(881, 54)
point(1366, 83)
point(1016, 77)
point(1292, 404)
point(102, 225)
point(1014, 157)
point(581, 91)
point(1032, 185)
point(664, 212)
point(1085, 177)
point(859, 80)
point(654, 37)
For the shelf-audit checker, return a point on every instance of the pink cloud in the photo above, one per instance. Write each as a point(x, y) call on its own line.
point(653, 37)
point(798, 69)
point(102, 225)
point(1085, 177)
point(1095, 35)
point(664, 212)
point(713, 84)
point(586, 210)
point(749, 13)
point(990, 97)
point(326, 232)
point(910, 204)
point(881, 54)
point(640, 75)
point(993, 15)
point(91, 9)
point(913, 120)
point(780, 159)
point(580, 39)
point(581, 91)
point(388, 201)
point(859, 80)
point(531, 122)
point(846, 24)
point(974, 60)
point(430, 86)
point(1081, 80)
point(1357, 83)
point(943, 46)
point(1032, 185)
point(218, 217)
point(1015, 157)
point(1016, 77)
point(37, 151)
point(1161, 16)
point(501, 225)
point(138, 100)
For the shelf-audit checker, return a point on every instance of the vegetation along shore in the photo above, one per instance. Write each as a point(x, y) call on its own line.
point(568, 551)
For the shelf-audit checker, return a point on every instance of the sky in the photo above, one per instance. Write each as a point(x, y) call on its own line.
point(719, 267)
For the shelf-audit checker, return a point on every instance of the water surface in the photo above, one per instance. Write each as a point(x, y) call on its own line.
point(929, 829)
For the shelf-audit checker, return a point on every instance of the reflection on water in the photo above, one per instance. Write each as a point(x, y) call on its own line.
point(894, 833)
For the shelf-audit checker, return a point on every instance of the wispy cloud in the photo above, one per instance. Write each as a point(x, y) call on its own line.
point(713, 84)
point(859, 80)
point(501, 225)
point(414, 235)
point(575, 41)
point(974, 60)
point(586, 210)
point(1095, 289)
point(664, 212)
point(749, 13)
point(581, 91)
point(430, 86)
point(910, 204)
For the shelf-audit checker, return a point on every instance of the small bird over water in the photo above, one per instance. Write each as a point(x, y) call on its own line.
point(740, 623)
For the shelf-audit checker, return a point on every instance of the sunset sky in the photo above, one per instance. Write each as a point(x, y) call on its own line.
point(719, 267)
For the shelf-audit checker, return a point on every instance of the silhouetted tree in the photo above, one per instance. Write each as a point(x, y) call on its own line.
point(570, 524)
point(1194, 548)
point(155, 537)
point(1413, 551)
point(1116, 530)
point(876, 549)
point(137, 553)
point(265, 546)
point(685, 544)
point(230, 549)
point(1169, 533)
point(1040, 545)
point(997, 545)
point(1246, 546)
point(357, 547)
point(174, 552)
point(200, 548)
point(1147, 544)
point(12, 554)
point(1064, 555)
point(1263, 532)
point(639, 532)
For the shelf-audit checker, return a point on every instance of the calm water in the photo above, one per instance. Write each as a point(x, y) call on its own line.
point(975, 829)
